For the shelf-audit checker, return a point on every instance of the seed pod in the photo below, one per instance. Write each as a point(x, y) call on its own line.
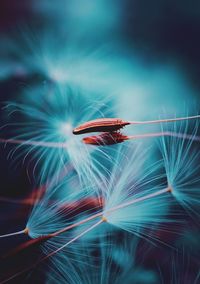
point(101, 125)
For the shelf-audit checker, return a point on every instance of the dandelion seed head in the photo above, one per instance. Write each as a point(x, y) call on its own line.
point(181, 162)
point(131, 180)
point(66, 129)
point(46, 116)
point(62, 205)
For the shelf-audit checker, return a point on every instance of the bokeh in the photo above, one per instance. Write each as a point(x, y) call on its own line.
point(72, 61)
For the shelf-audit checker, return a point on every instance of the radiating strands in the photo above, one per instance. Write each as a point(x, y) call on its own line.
point(43, 126)
point(181, 163)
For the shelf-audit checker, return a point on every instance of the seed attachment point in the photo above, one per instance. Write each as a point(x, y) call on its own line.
point(104, 219)
point(26, 231)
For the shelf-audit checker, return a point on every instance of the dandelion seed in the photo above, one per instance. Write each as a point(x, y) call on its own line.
point(105, 139)
point(116, 137)
point(114, 124)
point(54, 252)
point(101, 125)
point(181, 162)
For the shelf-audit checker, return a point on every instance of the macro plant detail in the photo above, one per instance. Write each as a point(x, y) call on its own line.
point(133, 198)
point(100, 148)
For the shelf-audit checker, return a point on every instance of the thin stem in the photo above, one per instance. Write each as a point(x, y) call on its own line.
point(34, 143)
point(166, 133)
point(168, 189)
point(100, 214)
point(74, 239)
point(165, 120)
point(25, 231)
point(76, 224)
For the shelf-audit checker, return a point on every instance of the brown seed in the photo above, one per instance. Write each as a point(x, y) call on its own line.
point(101, 125)
point(105, 139)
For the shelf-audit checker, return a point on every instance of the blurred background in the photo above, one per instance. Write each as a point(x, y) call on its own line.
point(142, 56)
